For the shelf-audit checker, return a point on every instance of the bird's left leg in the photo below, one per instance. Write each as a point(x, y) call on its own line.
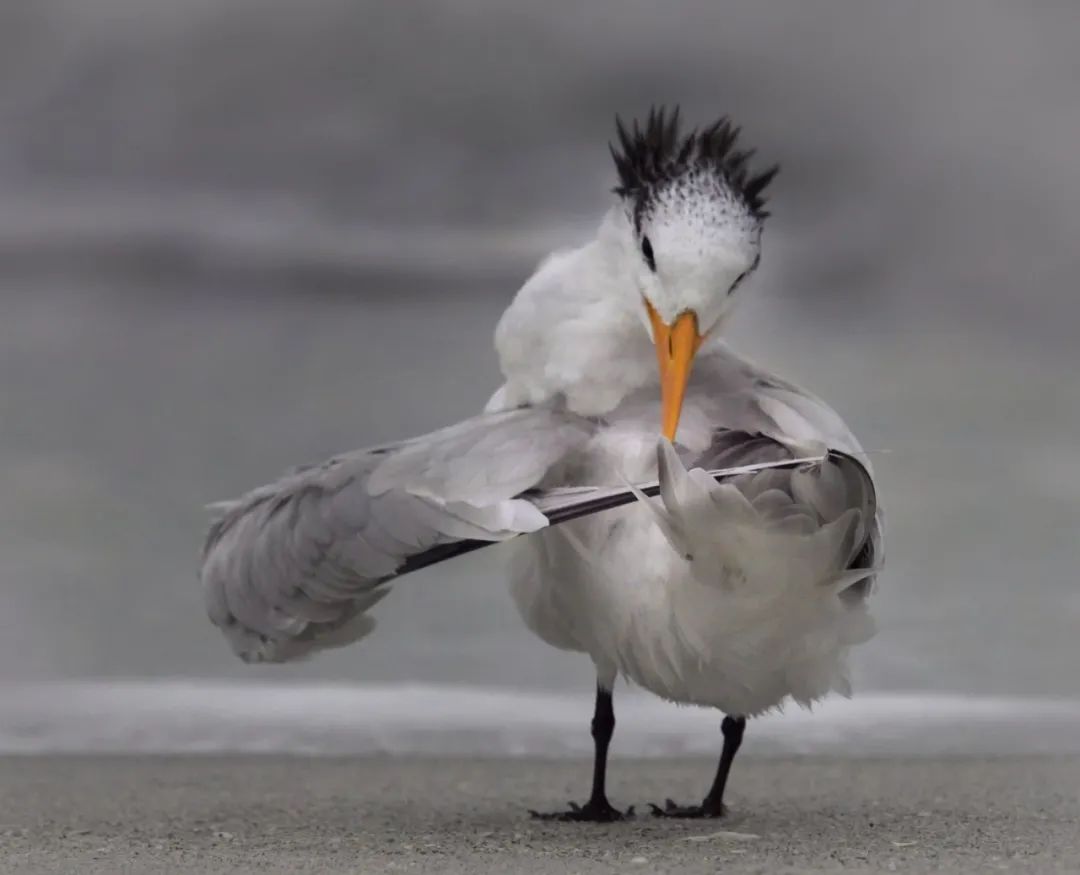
point(597, 809)
point(713, 804)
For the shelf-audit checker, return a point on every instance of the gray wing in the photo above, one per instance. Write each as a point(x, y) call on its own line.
point(760, 417)
point(809, 494)
point(293, 567)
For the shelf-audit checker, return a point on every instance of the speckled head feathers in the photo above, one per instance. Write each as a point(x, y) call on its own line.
point(654, 156)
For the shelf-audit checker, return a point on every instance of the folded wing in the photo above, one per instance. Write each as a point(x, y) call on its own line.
point(817, 521)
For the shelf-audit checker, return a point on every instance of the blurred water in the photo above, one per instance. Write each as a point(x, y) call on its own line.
point(181, 716)
point(235, 236)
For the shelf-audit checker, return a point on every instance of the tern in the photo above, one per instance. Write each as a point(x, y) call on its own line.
point(691, 522)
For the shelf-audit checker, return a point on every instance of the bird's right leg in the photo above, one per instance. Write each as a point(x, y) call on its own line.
point(713, 805)
point(597, 809)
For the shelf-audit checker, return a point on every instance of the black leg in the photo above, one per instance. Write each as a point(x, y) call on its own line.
point(713, 804)
point(598, 808)
point(603, 727)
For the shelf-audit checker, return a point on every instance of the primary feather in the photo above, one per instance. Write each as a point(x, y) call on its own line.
point(294, 566)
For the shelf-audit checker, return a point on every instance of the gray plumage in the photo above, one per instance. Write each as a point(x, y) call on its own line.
point(293, 566)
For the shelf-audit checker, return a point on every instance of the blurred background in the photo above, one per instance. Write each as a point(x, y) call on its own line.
point(237, 235)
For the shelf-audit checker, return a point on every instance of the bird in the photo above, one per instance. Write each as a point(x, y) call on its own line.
point(691, 522)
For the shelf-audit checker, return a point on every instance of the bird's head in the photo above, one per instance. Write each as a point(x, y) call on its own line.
point(695, 212)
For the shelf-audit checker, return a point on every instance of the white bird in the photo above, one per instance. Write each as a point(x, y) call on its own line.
point(737, 595)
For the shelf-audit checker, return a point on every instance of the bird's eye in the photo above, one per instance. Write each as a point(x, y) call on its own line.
point(735, 284)
point(745, 274)
point(646, 250)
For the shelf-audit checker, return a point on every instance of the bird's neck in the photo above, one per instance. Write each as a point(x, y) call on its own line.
point(574, 330)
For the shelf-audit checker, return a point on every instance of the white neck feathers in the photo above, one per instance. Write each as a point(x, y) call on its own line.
point(575, 328)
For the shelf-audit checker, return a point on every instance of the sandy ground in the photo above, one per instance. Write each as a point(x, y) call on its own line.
point(271, 815)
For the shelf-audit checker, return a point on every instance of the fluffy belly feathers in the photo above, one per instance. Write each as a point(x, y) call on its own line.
point(613, 587)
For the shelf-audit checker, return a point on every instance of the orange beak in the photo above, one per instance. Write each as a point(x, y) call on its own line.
point(675, 348)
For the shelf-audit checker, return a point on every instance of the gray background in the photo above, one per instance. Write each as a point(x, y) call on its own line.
point(238, 235)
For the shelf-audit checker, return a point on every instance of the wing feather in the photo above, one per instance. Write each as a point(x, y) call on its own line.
point(289, 567)
point(837, 495)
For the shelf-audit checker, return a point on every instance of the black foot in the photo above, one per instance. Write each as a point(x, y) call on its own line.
point(705, 809)
point(591, 812)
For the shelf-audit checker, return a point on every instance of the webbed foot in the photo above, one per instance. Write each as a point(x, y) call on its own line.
point(705, 809)
point(593, 811)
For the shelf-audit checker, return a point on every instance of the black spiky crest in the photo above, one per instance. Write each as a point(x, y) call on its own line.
point(647, 157)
